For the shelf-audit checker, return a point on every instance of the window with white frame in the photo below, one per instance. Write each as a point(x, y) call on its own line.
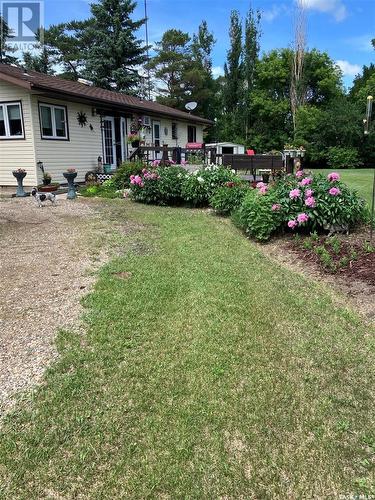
point(11, 121)
point(53, 121)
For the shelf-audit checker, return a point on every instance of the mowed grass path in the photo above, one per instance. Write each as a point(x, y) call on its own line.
point(360, 179)
point(210, 372)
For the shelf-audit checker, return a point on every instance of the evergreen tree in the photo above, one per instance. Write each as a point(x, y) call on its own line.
point(169, 66)
point(65, 45)
point(115, 53)
point(5, 49)
point(41, 62)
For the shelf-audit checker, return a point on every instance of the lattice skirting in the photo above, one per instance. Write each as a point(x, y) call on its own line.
point(104, 177)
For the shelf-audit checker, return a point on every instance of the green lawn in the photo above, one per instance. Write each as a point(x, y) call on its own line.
point(210, 372)
point(359, 179)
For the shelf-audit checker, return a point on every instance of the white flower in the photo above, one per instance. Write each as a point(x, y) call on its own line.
point(200, 180)
point(195, 172)
point(233, 171)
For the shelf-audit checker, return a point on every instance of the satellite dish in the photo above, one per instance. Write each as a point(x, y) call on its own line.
point(190, 106)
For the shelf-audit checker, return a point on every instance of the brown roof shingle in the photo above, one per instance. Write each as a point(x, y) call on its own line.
point(34, 81)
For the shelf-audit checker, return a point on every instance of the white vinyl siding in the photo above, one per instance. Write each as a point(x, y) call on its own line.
point(82, 149)
point(18, 153)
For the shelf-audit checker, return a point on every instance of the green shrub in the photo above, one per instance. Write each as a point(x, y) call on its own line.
point(105, 190)
point(341, 157)
point(170, 184)
point(228, 198)
point(121, 177)
point(199, 187)
point(257, 215)
point(159, 186)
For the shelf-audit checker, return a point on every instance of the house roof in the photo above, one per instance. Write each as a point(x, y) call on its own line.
point(33, 80)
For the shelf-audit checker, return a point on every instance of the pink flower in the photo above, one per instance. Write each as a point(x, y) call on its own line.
point(156, 163)
point(302, 218)
point(183, 162)
point(276, 207)
point(310, 202)
point(294, 194)
point(261, 185)
point(299, 174)
point(306, 181)
point(309, 193)
point(292, 224)
point(263, 190)
point(334, 191)
point(333, 177)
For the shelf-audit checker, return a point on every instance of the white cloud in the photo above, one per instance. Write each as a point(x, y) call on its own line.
point(334, 7)
point(217, 71)
point(274, 12)
point(347, 68)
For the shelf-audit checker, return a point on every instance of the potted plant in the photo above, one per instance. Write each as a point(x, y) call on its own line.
point(70, 175)
point(46, 179)
point(134, 138)
point(20, 174)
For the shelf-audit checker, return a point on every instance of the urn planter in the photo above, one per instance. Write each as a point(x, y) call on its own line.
point(20, 175)
point(135, 144)
point(70, 176)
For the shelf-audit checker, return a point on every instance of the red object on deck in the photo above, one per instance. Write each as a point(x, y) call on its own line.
point(194, 145)
point(250, 152)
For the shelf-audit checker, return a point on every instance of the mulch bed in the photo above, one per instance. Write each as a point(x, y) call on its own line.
point(349, 256)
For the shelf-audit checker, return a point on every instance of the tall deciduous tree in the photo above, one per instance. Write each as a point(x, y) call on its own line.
point(233, 68)
point(115, 54)
point(250, 61)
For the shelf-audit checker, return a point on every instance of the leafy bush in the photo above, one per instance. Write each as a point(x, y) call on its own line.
point(260, 215)
point(170, 184)
point(121, 178)
point(228, 198)
point(300, 203)
point(199, 187)
point(159, 186)
point(340, 157)
point(106, 190)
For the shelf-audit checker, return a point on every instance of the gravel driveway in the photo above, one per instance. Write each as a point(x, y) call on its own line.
point(43, 273)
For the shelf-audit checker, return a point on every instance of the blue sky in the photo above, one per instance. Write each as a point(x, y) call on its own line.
point(343, 28)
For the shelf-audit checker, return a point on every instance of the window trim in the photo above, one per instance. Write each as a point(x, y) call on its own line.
point(53, 107)
point(8, 137)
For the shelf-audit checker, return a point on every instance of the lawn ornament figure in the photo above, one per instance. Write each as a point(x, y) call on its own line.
point(41, 197)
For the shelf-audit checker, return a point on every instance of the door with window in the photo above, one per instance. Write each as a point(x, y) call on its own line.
point(109, 141)
point(156, 136)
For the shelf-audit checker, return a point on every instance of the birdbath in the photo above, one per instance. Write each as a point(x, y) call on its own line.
point(20, 174)
point(70, 175)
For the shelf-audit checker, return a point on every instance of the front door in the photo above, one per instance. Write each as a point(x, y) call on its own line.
point(156, 136)
point(109, 141)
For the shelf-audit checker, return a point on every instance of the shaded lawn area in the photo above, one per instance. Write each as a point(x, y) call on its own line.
point(209, 372)
point(360, 179)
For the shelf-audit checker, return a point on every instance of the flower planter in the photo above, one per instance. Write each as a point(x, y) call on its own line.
point(70, 176)
point(48, 189)
point(20, 193)
point(135, 144)
point(47, 181)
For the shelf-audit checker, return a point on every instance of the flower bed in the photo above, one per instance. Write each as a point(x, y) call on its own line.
point(346, 255)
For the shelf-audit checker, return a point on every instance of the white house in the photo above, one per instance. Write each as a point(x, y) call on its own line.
point(67, 124)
